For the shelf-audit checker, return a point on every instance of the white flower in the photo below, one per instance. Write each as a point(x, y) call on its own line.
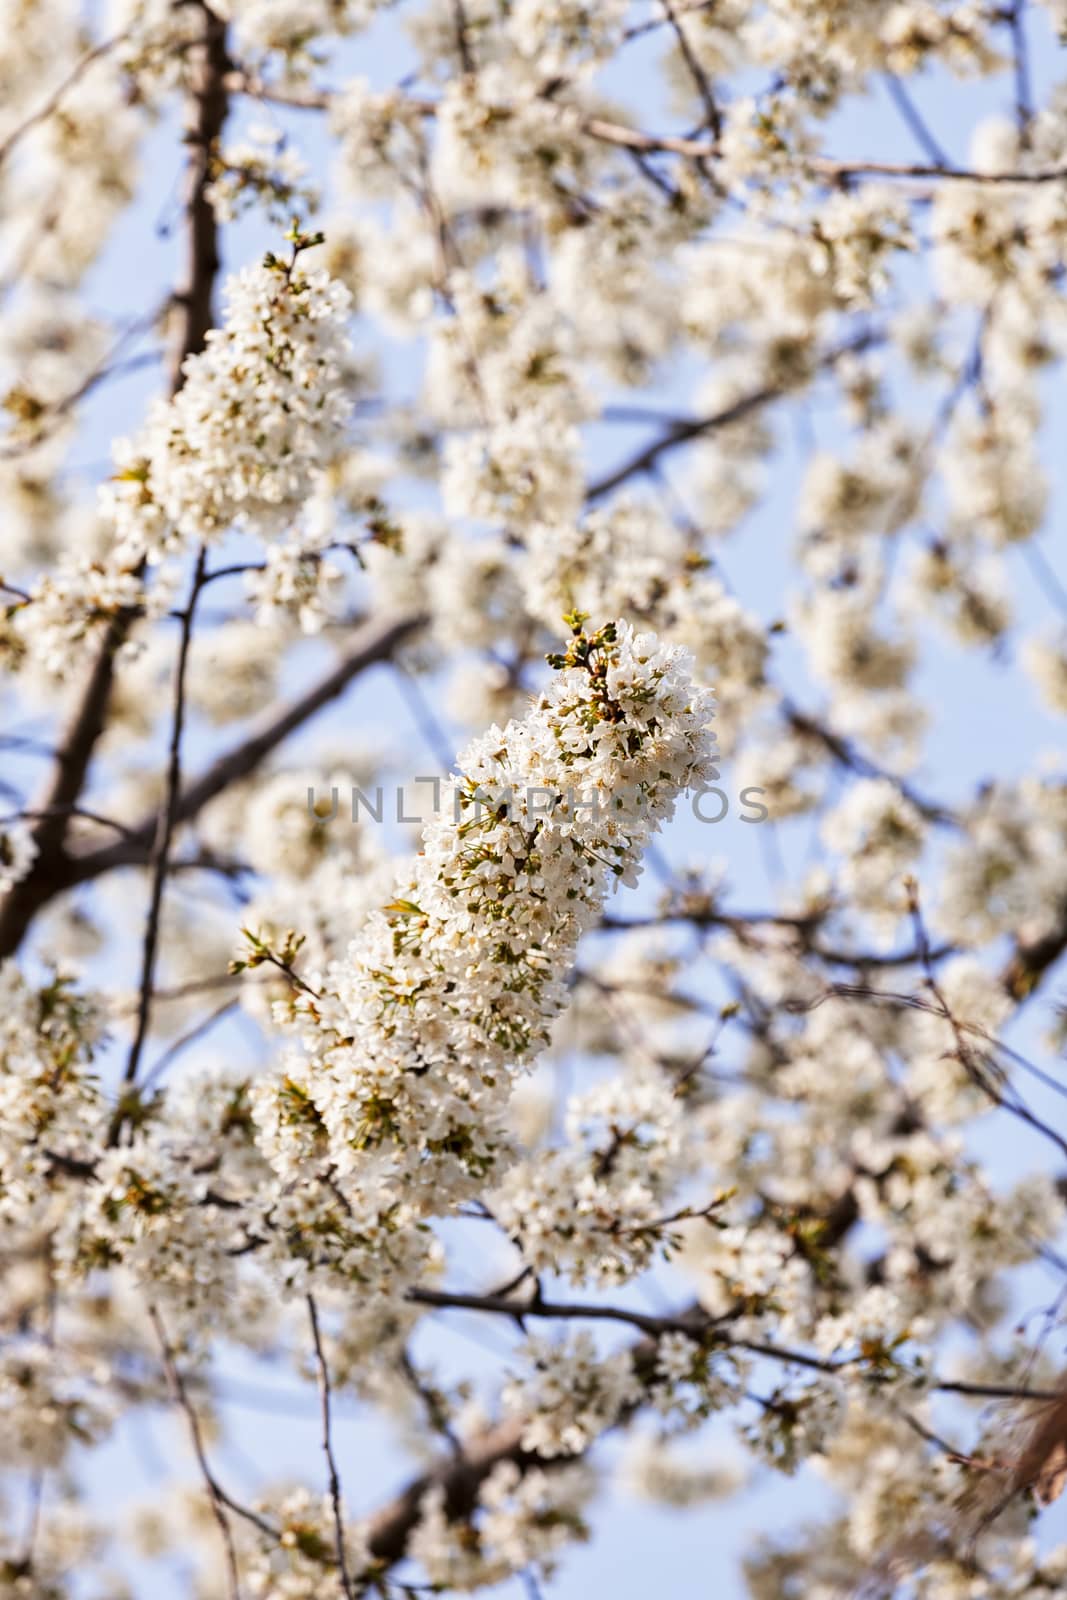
point(880, 835)
point(18, 851)
point(568, 1395)
point(449, 992)
point(261, 414)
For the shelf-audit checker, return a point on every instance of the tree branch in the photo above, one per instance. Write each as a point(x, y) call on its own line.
point(221, 1502)
point(58, 94)
point(375, 643)
point(915, 123)
point(712, 114)
point(323, 1372)
point(460, 1479)
point(684, 430)
point(165, 825)
point(207, 109)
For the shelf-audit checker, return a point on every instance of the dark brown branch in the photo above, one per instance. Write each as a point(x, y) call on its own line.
point(1031, 961)
point(374, 643)
point(461, 1477)
point(463, 43)
point(56, 805)
point(997, 1391)
point(80, 812)
point(391, 1528)
point(194, 301)
point(690, 1322)
point(741, 924)
point(693, 1321)
point(207, 110)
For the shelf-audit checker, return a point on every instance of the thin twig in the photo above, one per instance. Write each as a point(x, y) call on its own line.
point(463, 43)
point(915, 123)
point(327, 1445)
point(684, 430)
point(18, 443)
point(712, 114)
point(692, 1320)
point(373, 644)
point(167, 821)
point(818, 166)
point(192, 1036)
point(1024, 105)
point(218, 1499)
point(75, 811)
point(1045, 575)
point(54, 99)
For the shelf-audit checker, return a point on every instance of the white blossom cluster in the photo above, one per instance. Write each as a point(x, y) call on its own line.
point(525, 1519)
point(413, 1047)
point(569, 1394)
point(52, 1109)
point(593, 1207)
point(261, 413)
